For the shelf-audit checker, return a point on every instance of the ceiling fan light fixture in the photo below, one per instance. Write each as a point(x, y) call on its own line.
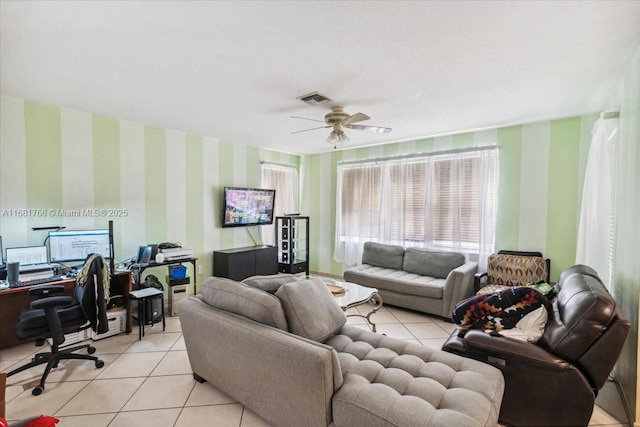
point(337, 138)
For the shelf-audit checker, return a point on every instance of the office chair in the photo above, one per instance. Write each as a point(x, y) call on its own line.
point(54, 316)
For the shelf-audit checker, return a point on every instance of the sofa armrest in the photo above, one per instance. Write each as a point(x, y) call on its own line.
point(478, 280)
point(458, 286)
point(286, 379)
point(504, 350)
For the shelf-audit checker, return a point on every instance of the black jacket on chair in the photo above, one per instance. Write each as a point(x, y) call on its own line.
point(97, 313)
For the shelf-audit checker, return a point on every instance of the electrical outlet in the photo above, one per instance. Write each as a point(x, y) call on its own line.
point(201, 269)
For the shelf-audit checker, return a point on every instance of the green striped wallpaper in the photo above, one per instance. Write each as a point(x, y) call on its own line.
point(169, 183)
point(166, 184)
point(541, 174)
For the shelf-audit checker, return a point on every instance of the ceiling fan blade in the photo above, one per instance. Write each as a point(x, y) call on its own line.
point(305, 118)
point(357, 117)
point(377, 129)
point(305, 130)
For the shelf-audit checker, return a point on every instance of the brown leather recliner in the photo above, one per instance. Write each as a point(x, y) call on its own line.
point(554, 382)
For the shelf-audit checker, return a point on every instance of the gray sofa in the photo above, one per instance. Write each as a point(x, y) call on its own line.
point(290, 358)
point(420, 279)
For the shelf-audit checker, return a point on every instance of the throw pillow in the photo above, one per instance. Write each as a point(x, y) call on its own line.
point(311, 310)
point(244, 300)
point(530, 327)
point(269, 283)
point(381, 255)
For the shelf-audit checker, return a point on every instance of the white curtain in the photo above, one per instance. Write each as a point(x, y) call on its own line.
point(284, 179)
point(358, 193)
point(488, 173)
point(596, 244)
point(445, 201)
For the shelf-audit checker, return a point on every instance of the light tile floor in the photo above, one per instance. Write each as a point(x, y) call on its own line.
point(149, 382)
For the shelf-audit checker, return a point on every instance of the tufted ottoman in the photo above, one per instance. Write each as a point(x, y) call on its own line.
point(390, 382)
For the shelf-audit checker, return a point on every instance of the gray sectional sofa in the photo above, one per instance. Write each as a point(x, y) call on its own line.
point(290, 358)
point(420, 279)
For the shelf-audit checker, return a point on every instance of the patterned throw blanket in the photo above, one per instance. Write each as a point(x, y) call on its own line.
point(497, 311)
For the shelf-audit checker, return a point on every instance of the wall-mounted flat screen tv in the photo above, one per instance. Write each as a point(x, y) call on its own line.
point(248, 206)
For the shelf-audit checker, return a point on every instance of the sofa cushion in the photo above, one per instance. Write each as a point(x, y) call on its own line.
point(432, 263)
point(393, 382)
point(239, 298)
point(395, 280)
point(311, 310)
point(269, 283)
point(387, 256)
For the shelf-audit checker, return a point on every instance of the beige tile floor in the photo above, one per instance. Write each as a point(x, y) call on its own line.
point(149, 382)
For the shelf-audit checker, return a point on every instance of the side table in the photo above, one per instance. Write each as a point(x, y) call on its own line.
point(142, 295)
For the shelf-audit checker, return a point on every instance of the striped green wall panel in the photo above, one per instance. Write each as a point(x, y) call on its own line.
point(463, 140)
point(155, 184)
point(562, 211)
point(315, 210)
point(509, 140)
point(43, 164)
point(194, 190)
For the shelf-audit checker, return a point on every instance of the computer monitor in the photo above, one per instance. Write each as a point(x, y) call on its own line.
point(27, 255)
point(1, 254)
point(75, 245)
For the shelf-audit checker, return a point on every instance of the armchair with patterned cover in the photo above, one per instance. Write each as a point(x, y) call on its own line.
point(512, 268)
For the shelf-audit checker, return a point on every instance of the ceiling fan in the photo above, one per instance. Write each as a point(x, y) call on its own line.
point(338, 119)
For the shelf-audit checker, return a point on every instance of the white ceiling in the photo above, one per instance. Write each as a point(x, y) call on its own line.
point(233, 70)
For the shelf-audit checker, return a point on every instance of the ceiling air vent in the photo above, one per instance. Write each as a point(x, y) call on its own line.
point(314, 98)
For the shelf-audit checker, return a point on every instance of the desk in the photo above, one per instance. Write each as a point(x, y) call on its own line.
point(142, 268)
point(14, 300)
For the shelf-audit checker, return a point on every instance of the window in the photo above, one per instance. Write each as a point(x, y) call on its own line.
point(443, 200)
point(284, 179)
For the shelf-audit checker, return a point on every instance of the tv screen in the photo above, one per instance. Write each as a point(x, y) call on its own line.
point(75, 245)
point(248, 206)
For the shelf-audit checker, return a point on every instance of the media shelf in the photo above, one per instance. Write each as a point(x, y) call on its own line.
point(292, 242)
point(240, 263)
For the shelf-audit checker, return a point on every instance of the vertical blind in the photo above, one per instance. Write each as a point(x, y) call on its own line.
point(440, 201)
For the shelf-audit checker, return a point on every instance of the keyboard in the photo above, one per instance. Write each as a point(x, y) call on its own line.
point(40, 281)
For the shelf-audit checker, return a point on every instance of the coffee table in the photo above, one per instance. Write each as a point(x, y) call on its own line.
point(356, 295)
